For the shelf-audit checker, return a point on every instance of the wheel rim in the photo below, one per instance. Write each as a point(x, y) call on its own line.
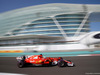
point(62, 63)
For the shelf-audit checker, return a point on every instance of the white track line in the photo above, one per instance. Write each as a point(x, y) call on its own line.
point(11, 74)
point(89, 55)
point(84, 55)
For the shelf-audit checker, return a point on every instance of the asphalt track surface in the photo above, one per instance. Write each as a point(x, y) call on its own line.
point(85, 65)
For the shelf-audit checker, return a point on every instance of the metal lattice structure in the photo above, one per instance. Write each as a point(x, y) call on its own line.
point(58, 19)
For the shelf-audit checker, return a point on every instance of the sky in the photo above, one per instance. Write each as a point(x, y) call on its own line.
point(7, 5)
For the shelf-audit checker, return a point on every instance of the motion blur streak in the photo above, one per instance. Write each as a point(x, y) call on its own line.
point(83, 65)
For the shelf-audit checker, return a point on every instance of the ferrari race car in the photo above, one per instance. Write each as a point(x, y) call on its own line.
point(37, 60)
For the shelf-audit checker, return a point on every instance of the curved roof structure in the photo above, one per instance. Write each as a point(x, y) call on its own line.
point(56, 19)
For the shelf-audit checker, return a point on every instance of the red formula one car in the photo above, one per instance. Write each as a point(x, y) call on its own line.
point(38, 60)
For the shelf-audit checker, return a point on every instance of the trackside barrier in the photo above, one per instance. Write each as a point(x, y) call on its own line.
point(51, 54)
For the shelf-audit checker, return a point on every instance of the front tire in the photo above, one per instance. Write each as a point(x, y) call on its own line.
point(61, 63)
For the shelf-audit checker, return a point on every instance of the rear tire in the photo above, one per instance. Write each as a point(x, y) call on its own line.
point(20, 64)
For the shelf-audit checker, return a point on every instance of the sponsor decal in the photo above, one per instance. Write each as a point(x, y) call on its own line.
point(11, 51)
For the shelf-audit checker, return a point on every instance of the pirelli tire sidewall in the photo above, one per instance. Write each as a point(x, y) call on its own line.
point(62, 63)
point(21, 63)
